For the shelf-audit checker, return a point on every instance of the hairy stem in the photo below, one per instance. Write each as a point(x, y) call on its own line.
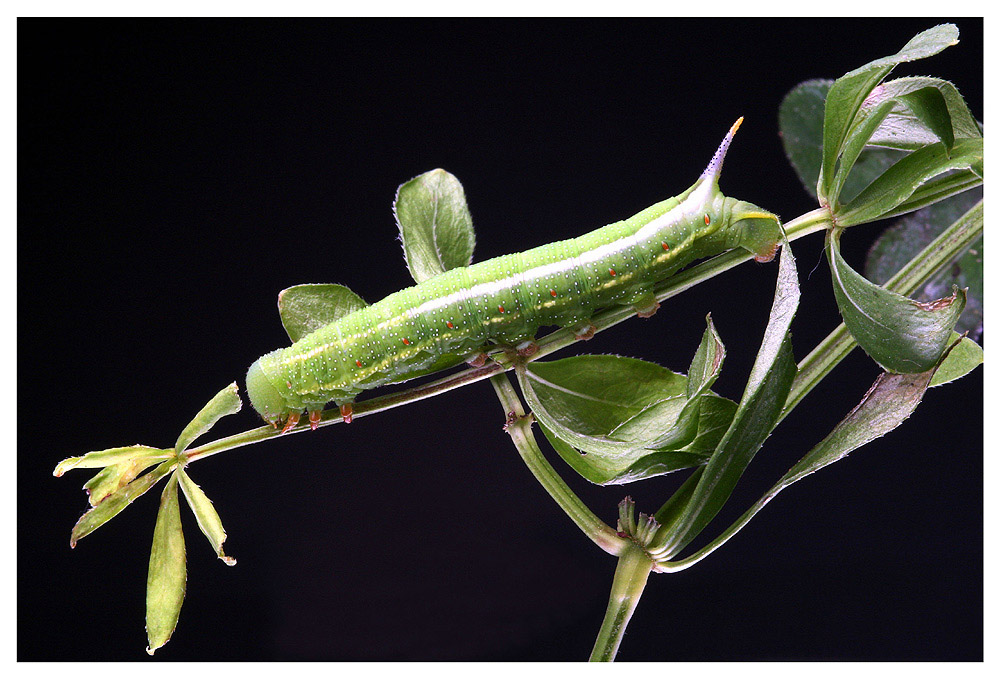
point(631, 574)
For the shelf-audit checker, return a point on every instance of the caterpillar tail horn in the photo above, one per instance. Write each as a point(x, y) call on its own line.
point(714, 169)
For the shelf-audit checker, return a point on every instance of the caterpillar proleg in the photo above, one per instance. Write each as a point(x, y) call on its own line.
point(455, 315)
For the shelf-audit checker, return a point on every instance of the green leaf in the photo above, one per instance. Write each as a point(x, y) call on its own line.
point(167, 577)
point(702, 373)
point(116, 502)
point(901, 180)
point(887, 404)
point(891, 400)
point(903, 130)
point(204, 511)
point(926, 104)
point(849, 92)
point(308, 307)
point(962, 358)
point(601, 412)
point(673, 509)
point(936, 190)
point(758, 412)
point(226, 402)
point(110, 479)
point(800, 119)
point(899, 334)
point(112, 456)
point(434, 224)
point(584, 399)
point(714, 417)
point(902, 241)
point(604, 471)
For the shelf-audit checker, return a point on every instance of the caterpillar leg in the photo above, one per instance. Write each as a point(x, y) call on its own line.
point(314, 418)
point(347, 412)
point(293, 419)
point(645, 304)
point(527, 348)
point(585, 331)
point(478, 360)
point(646, 312)
point(767, 256)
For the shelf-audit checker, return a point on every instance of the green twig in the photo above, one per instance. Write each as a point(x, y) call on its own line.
point(633, 569)
point(518, 426)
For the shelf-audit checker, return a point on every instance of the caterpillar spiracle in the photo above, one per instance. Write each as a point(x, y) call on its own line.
point(455, 315)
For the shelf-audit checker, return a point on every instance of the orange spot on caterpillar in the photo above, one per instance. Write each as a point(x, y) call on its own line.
point(450, 324)
point(358, 363)
point(500, 308)
point(665, 246)
point(406, 341)
point(552, 292)
point(707, 220)
point(612, 272)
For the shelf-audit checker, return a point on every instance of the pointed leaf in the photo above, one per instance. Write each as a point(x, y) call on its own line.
point(801, 122)
point(226, 402)
point(434, 224)
point(903, 130)
point(800, 119)
point(116, 502)
point(758, 412)
point(111, 456)
point(887, 404)
point(603, 404)
point(601, 413)
point(605, 471)
point(899, 334)
point(850, 90)
point(907, 237)
point(927, 106)
point(204, 511)
point(715, 415)
point(167, 577)
point(308, 307)
point(901, 180)
point(110, 479)
point(702, 373)
point(963, 357)
point(936, 190)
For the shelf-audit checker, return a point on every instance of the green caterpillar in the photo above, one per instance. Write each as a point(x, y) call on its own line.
point(454, 316)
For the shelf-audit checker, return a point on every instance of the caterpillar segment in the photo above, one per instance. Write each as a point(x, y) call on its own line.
point(457, 315)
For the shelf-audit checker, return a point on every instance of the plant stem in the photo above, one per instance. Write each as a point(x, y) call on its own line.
point(519, 428)
point(810, 222)
point(631, 574)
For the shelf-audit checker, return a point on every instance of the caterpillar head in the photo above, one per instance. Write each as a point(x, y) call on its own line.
point(265, 398)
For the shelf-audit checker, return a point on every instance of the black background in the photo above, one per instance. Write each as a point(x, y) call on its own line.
point(174, 176)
